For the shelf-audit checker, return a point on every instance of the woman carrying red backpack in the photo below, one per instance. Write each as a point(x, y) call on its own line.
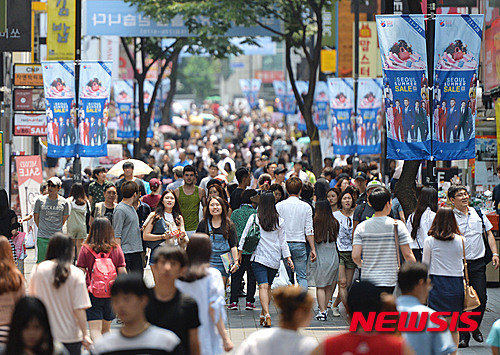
point(101, 258)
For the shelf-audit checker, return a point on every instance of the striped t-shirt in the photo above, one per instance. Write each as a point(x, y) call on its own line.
point(376, 236)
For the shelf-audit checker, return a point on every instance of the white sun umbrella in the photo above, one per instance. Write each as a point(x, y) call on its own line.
point(140, 168)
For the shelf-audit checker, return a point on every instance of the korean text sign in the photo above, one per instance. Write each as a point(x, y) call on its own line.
point(61, 29)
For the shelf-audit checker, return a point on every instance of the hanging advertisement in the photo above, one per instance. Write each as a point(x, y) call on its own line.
point(149, 87)
point(95, 87)
point(341, 92)
point(320, 106)
point(124, 100)
point(456, 59)
point(59, 87)
point(250, 89)
point(29, 175)
point(406, 93)
point(61, 29)
point(492, 56)
point(369, 123)
point(285, 102)
point(302, 88)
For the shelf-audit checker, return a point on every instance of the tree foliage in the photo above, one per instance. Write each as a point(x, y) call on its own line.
point(198, 75)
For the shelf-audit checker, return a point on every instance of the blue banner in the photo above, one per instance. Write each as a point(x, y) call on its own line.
point(250, 89)
point(369, 122)
point(406, 93)
point(320, 106)
point(285, 98)
point(341, 92)
point(124, 101)
point(456, 59)
point(149, 87)
point(302, 88)
point(59, 87)
point(95, 87)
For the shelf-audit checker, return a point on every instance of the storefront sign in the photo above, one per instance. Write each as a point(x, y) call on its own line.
point(28, 75)
point(492, 56)
point(268, 76)
point(30, 125)
point(17, 36)
point(369, 58)
point(29, 175)
point(29, 100)
point(61, 29)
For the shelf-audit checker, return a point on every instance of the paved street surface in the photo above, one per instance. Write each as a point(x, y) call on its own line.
point(241, 322)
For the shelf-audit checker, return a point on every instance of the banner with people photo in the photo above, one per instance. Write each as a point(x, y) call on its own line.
point(369, 122)
point(149, 87)
point(250, 89)
point(320, 106)
point(285, 102)
point(456, 58)
point(124, 101)
point(95, 87)
point(302, 88)
point(341, 91)
point(60, 108)
point(406, 92)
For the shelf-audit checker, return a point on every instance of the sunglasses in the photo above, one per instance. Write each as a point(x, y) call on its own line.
point(51, 185)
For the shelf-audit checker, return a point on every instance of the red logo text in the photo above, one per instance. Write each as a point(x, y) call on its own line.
point(413, 321)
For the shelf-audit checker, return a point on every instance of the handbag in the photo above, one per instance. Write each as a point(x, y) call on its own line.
point(471, 300)
point(253, 237)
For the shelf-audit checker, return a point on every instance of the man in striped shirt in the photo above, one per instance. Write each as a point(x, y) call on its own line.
point(375, 239)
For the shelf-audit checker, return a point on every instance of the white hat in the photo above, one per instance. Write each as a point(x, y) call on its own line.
point(55, 180)
point(374, 183)
point(224, 152)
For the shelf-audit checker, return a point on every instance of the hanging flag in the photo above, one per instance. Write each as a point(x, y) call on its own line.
point(149, 87)
point(124, 91)
point(302, 88)
point(280, 93)
point(60, 105)
point(341, 108)
point(369, 123)
point(95, 87)
point(250, 89)
point(457, 48)
point(320, 106)
point(406, 93)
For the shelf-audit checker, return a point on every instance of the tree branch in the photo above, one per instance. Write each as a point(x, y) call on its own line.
point(129, 54)
point(278, 33)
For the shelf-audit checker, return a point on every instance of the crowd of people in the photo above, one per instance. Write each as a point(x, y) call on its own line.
point(216, 221)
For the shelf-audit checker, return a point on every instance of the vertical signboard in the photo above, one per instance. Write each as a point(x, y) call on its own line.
point(61, 29)
point(341, 109)
point(95, 87)
point(29, 175)
point(456, 58)
point(250, 89)
point(406, 92)
point(369, 124)
point(17, 36)
point(124, 91)
point(369, 58)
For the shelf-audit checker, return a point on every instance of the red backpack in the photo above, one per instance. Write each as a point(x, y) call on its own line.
point(103, 274)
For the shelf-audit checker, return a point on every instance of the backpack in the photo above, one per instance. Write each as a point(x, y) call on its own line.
point(253, 237)
point(103, 274)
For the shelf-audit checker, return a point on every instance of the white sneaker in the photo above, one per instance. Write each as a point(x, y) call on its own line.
point(335, 312)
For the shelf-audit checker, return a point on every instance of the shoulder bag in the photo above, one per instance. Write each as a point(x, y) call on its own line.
point(471, 300)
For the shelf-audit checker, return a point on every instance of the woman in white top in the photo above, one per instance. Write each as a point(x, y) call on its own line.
point(443, 252)
point(62, 289)
point(272, 245)
point(420, 221)
point(344, 245)
point(204, 284)
point(295, 305)
point(79, 207)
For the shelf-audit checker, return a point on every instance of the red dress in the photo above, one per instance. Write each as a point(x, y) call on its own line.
point(398, 122)
point(362, 344)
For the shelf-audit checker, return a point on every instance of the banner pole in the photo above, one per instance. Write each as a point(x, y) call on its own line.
point(355, 161)
point(431, 178)
point(77, 165)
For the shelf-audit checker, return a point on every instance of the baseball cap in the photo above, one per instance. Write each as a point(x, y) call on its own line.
point(223, 152)
point(154, 182)
point(55, 181)
point(280, 171)
point(374, 183)
point(360, 175)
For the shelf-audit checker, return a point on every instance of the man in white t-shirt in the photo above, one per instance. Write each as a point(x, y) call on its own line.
point(376, 240)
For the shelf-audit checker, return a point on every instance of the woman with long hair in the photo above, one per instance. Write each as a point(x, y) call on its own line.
point(101, 241)
point(205, 285)
point(11, 288)
point(332, 196)
point(30, 330)
point(79, 207)
point(420, 221)
point(61, 287)
point(222, 233)
point(443, 252)
point(295, 305)
point(343, 183)
point(272, 245)
point(216, 190)
point(344, 246)
point(278, 191)
point(323, 273)
point(9, 224)
point(166, 224)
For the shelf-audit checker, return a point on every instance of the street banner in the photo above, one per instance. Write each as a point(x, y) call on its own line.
point(60, 108)
point(286, 99)
point(61, 29)
point(320, 106)
point(95, 87)
point(368, 124)
point(341, 109)
point(457, 48)
point(149, 87)
point(406, 93)
point(29, 175)
point(250, 89)
point(124, 101)
point(302, 88)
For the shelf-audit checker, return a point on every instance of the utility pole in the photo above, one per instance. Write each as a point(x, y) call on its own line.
point(77, 164)
point(431, 178)
point(355, 161)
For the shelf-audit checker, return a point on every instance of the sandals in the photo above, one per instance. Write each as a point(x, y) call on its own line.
point(267, 323)
point(322, 316)
point(262, 319)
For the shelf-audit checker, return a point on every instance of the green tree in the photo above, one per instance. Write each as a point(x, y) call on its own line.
point(198, 74)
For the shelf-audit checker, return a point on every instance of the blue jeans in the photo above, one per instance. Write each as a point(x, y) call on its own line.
point(299, 258)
